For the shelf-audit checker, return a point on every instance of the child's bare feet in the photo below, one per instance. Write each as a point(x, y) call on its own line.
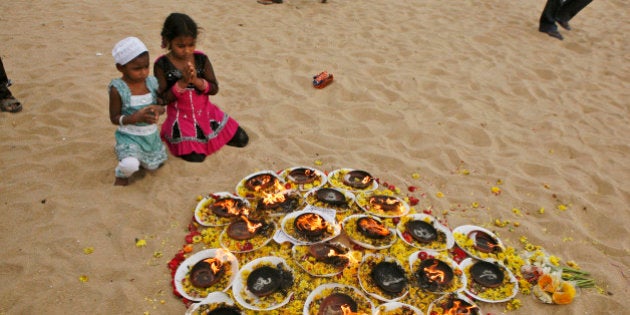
point(121, 181)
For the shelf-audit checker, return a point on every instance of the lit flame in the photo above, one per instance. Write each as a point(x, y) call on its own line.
point(229, 205)
point(366, 179)
point(435, 274)
point(346, 310)
point(311, 222)
point(385, 203)
point(269, 199)
point(250, 226)
point(459, 308)
point(375, 227)
point(215, 264)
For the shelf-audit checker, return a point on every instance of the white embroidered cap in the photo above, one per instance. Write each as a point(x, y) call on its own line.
point(128, 49)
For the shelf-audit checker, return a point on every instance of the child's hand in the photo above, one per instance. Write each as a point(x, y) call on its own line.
point(149, 114)
point(192, 73)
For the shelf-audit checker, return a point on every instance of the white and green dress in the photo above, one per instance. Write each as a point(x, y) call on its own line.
point(141, 141)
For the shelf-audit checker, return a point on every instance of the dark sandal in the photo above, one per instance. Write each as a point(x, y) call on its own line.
point(11, 105)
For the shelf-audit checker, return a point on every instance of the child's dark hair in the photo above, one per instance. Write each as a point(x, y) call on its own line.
point(176, 25)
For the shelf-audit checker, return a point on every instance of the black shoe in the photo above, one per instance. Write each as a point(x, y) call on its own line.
point(564, 25)
point(554, 33)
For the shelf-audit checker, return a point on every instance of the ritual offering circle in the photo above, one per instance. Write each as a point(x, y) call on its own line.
point(244, 229)
point(478, 242)
point(246, 235)
point(331, 198)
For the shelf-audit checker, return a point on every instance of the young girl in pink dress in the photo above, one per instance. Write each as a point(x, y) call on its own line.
point(194, 127)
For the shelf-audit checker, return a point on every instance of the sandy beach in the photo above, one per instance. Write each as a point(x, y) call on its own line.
point(464, 95)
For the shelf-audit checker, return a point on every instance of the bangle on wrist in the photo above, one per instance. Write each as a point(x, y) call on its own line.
point(120, 120)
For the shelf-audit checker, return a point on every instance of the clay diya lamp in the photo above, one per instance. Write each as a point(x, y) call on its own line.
point(302, 176)
point(485, 242)
point(385, 203)
point(245, 229)
point(421, 231)
point(228, 207)
point(331, 196)
point(337, 304)
point(434, 274)
point(225, 310)
point(310, 225)
point(372, 228)
point(358, 179)
point(206, 272)
point(260, 182)
point(266, 280)
point(487, 274)
point(389, 276)
point(454, 305)
point(329, 253)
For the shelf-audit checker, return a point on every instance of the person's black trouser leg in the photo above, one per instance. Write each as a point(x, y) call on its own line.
point(3, 74)
point(548, 16)
point(570, 8)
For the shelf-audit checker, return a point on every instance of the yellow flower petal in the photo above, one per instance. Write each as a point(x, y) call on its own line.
point(83, 278)
point(141, 243)
point(88, 250)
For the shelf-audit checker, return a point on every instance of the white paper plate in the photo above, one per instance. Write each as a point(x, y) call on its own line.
point(217, 221)
point(379, 294)
point(323, 179)
point(364, 242)
point(339, 183)
point(214, 298)
point(313, 297)
point(470, 261)
point(413, 259)
point(400, 228)
point(466, 230)
point(239, 287)
point(393, 306)
point(184, 268)
point(297, 239)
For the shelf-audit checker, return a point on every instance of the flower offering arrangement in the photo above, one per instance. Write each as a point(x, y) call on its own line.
point(352, 246)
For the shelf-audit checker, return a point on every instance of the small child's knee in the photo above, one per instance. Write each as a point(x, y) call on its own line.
point(128, 166)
